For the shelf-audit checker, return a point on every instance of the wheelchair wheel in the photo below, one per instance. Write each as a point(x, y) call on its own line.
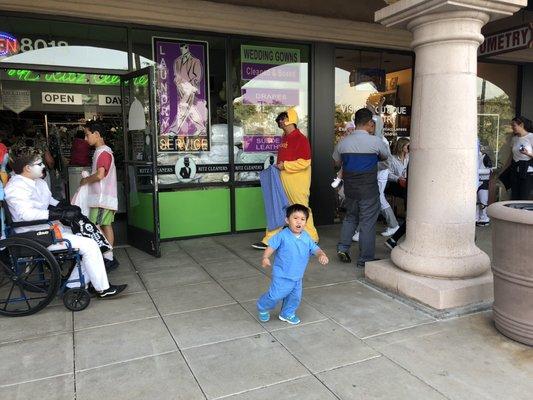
point(29, 277)
point(76, 299)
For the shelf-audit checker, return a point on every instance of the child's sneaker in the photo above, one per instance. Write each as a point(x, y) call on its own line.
point(336, 182)
point(264, 316)
point(293, 320)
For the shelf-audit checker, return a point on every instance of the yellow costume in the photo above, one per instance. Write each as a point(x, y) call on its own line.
point(295, 153)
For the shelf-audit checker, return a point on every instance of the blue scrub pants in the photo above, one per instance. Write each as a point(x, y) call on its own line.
point(282, 289)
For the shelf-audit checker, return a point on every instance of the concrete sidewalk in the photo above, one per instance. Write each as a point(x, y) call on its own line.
point(187, 329)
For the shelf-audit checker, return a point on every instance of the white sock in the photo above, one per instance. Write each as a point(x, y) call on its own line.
point(108, 255)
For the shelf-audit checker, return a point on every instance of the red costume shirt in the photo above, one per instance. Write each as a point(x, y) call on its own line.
point(294, 146)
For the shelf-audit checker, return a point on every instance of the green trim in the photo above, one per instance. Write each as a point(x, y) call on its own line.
point(249, 209)
point(194, 212)
point(141, 211)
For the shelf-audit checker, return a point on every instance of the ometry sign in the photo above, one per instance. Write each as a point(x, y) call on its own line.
point(510, 40)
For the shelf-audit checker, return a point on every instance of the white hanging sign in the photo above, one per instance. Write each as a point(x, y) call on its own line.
point(16, 100)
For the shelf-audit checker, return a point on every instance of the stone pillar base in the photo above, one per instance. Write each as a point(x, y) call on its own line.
point(440, 294)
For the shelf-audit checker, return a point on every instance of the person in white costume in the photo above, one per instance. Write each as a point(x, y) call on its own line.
point(29, 199)
point(484, 170)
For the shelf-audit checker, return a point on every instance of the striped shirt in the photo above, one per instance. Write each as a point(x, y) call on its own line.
point(359, 154)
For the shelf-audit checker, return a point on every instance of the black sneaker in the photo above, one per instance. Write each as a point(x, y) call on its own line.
point(112, 291)
point(259, 246)
point(390, 243)
point(344, 257)
point(111, 265)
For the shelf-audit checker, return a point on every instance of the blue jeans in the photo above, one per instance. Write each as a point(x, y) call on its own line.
point(363, 214)
point(282, 289)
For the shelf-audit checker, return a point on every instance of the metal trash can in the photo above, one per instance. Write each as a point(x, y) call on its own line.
point(512, 266)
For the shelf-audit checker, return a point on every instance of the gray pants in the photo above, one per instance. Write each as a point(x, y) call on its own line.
point(363, 213)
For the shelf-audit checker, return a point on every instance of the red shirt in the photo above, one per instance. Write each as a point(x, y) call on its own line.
point(294, 146)
point(80, 153)
point(104, 160)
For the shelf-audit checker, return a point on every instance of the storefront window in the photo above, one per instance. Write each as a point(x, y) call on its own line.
point(48, 108)
point(496, 94)
point(382, 82)
point(191, 96)
point(268, 78)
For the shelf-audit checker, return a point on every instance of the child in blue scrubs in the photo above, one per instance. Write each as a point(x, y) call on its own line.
point(293, 247)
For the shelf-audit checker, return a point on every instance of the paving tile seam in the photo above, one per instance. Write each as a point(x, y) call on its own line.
point(187, 363)
point(148, 289)
point(74, 358)
point(289, 326)
point(116, 323)
point(349, 364)
point(34, 380)
point(261, 387)
point(391, 360)
point(198, 309)
point(398, 364)
point(315, 305)
point(398, 299)
point(176, 285)
point(398, 330)
point(267, 332)
point(298, 360)
point(330, 284)
point(227, 340)
point(128, 360)
point(44, 335)
point(356, 280)
point(231, 250)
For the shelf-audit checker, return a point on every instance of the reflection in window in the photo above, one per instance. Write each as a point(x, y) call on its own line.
point(379, 81)
point(270, 79)
point(495, 111)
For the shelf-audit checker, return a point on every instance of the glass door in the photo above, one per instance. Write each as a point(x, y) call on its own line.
point(140, 159)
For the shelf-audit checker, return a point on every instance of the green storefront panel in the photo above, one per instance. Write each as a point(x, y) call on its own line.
point(141, 211)
point(249, 209)
point(194, 212)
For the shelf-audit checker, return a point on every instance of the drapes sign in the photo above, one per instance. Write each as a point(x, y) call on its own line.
point(183, 92)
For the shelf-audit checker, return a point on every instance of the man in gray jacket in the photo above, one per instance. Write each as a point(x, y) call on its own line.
point(359, 154)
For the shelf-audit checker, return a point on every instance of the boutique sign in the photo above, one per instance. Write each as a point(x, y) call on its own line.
point(510, 40)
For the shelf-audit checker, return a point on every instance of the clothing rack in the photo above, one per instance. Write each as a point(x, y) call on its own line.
point(55, 123)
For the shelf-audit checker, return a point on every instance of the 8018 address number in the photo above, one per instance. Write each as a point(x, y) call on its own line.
point(27, 44)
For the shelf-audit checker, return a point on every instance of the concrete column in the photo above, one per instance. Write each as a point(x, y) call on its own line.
point(442, 173)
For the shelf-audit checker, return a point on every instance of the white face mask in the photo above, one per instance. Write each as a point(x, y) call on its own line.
point(37, 169)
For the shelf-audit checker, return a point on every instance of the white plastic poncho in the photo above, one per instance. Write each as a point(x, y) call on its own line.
point(81, 197)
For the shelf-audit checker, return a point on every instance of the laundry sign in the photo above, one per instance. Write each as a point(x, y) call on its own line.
point(75, 99)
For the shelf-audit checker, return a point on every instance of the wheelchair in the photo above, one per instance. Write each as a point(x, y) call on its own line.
point(31, 276)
